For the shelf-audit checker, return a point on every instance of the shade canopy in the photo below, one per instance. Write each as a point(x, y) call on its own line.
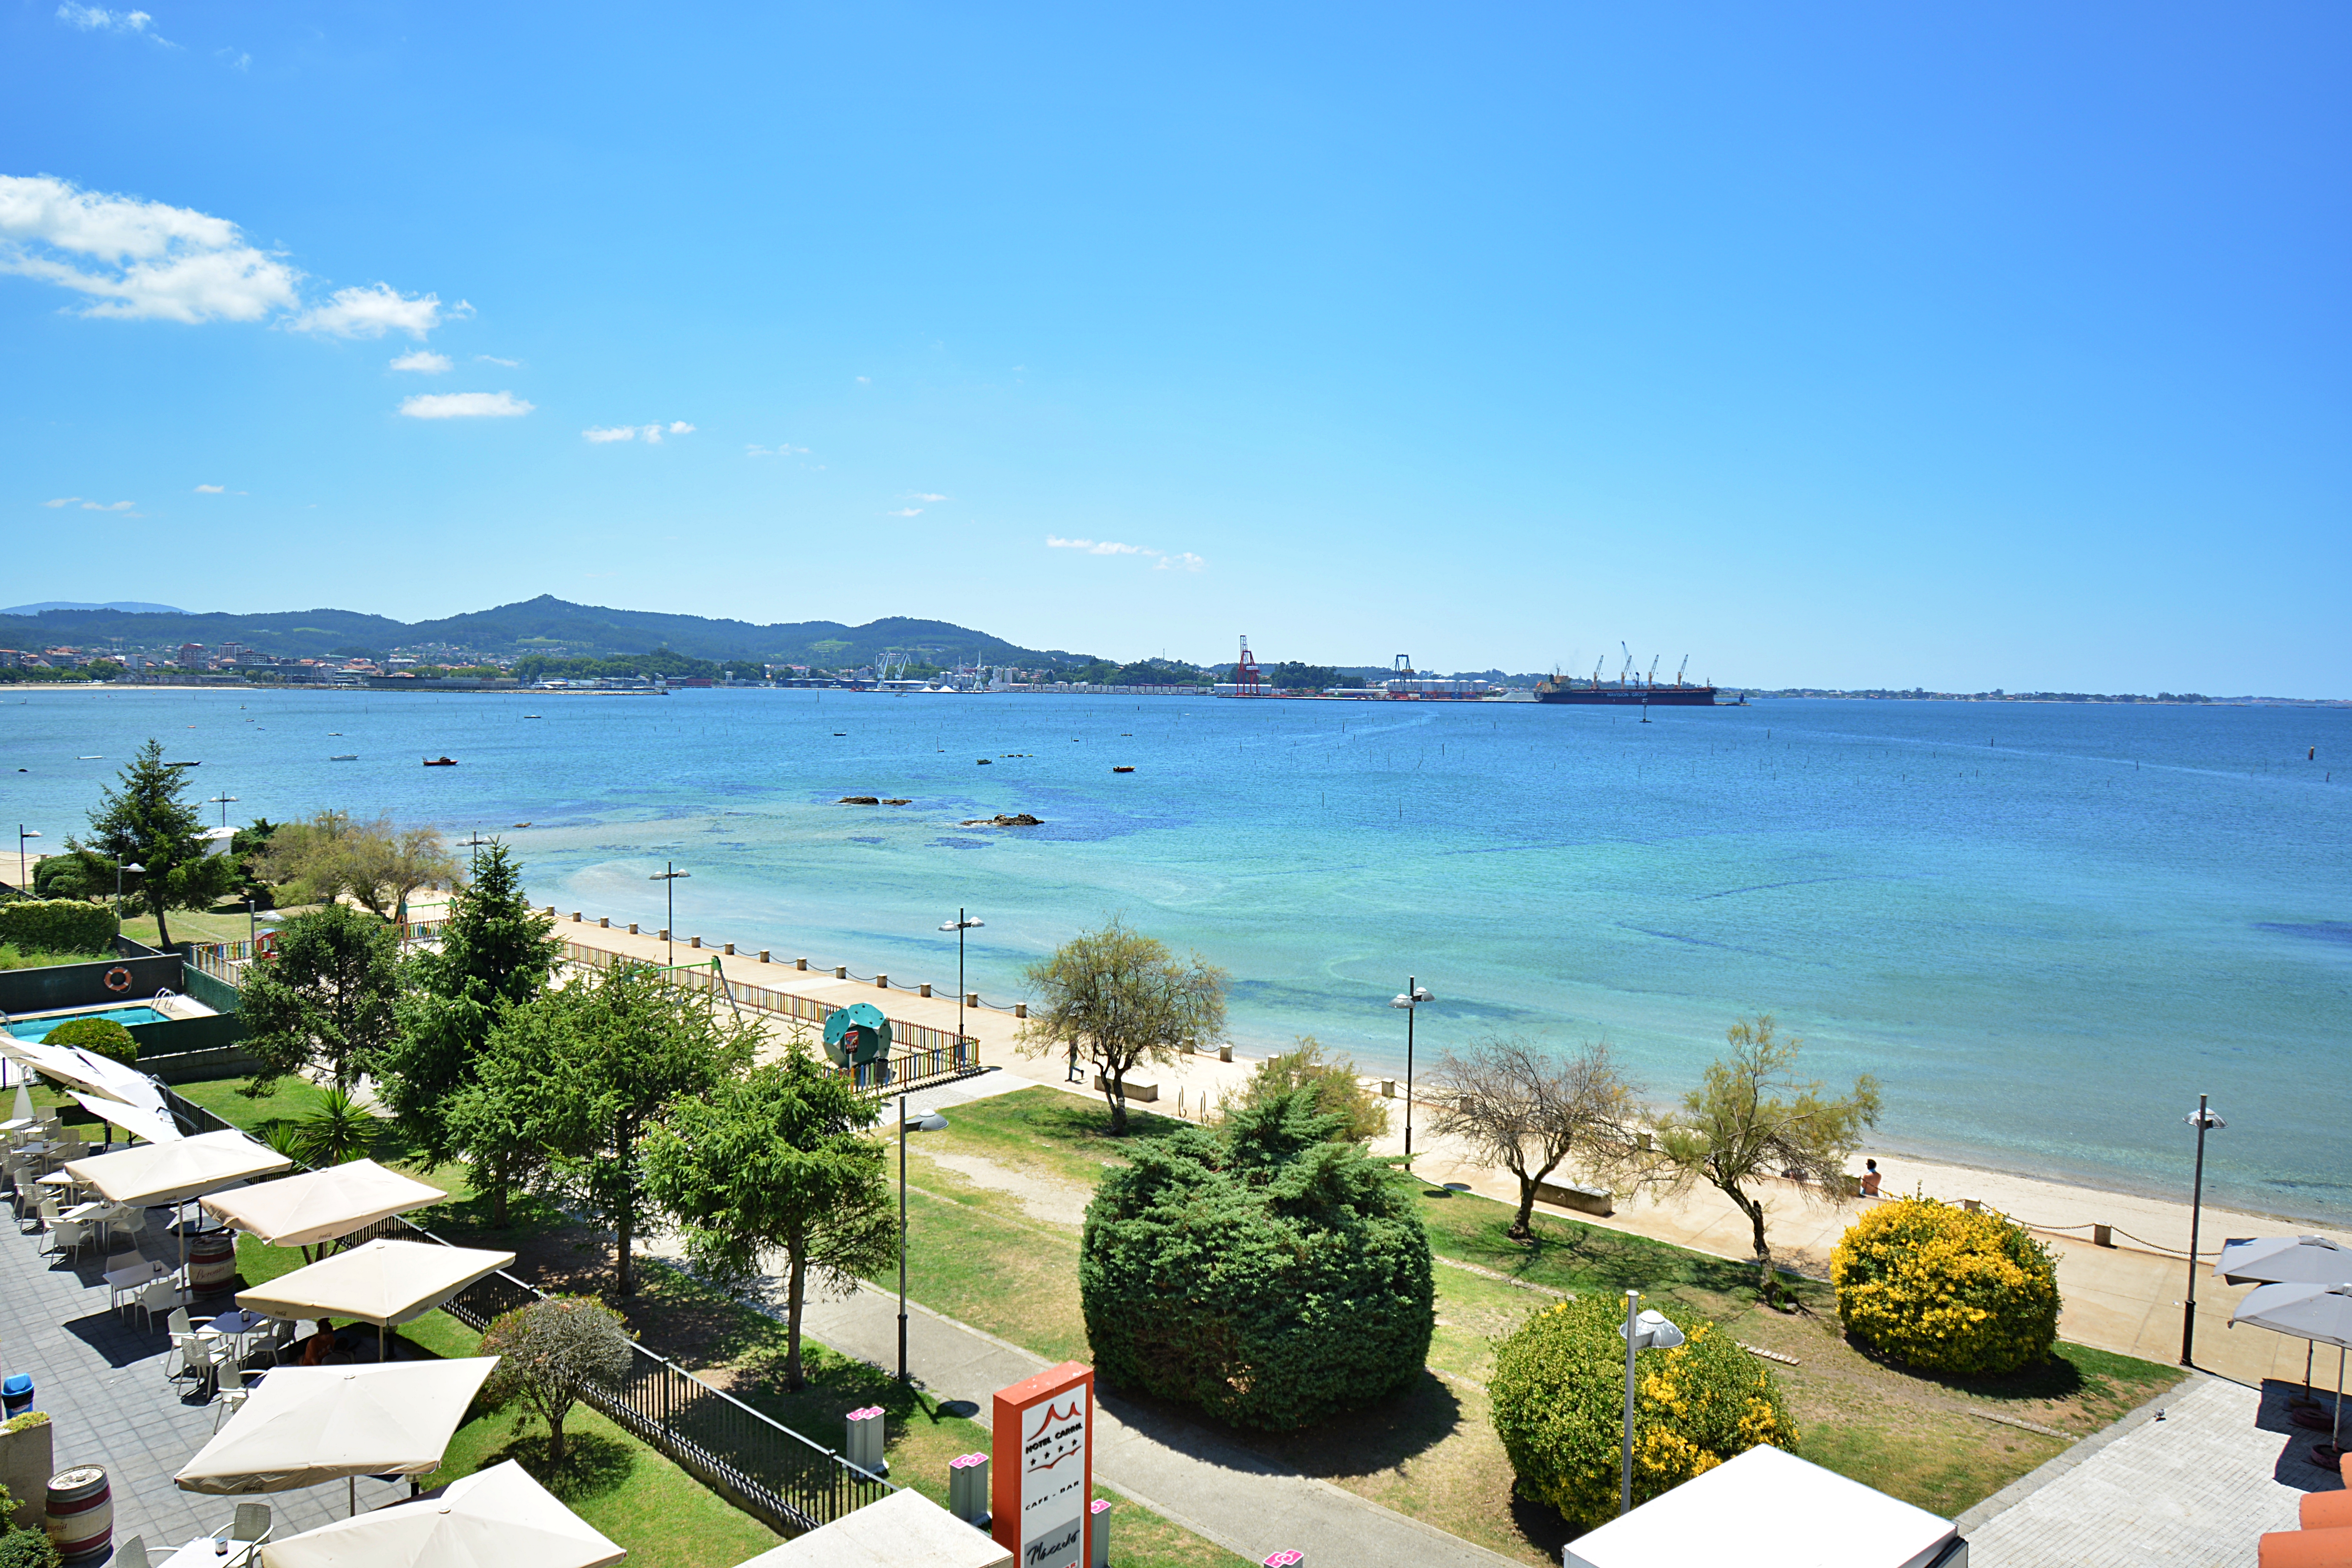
point(2321, 1313)
point(305, 1425)
point(319, 1205)
point(382, 1282)
point(91, 1074)
point(158, 1174)
point(1768, 1508)
point(498, 1518)
point(131, 1119)
point(2286, 1261)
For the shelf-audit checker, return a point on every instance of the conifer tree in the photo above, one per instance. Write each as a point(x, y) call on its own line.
point(147, 822)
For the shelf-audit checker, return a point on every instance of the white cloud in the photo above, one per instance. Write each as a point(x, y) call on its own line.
point(680, 427)
point(603, 432)
point(1182, 561)
point(493, 359)
point(1097, 547)
point(864, 381)
point(138, 259)
point(211, 490)
point(242, 62)
point(905, 512)
point(424, 361)
point(651, 433)
point(62, 501)
point(780, 449)
point(465, 405)
point(922, 495)
point(98, 19)
point(374, 311)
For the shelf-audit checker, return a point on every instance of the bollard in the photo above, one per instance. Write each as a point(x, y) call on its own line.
point(1972, 1205)
point(968, 1486)
point(1388, 1089)
point(729, 950)
point(799, 964)
point(664, 934)
point(863, 1448)
point(2102, 1235)
point(923, 990)
point(1224, 1052)
point(633, 928)
point(1021, 1009)
point(1098, 1535)
point(575, 917)
point(971, 999)
point(603, 922)
point(763, 955)
point(693, 941)
point(881, 983)
point(841, 971)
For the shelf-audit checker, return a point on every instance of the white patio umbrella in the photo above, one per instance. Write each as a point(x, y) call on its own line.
point(496, 1517)
point(320, 1206)
point(2286, 1260)
point(306, 1425)
point(2320, 1313)
point(382, 1282)
point(133, 1119)
point(154, 1175)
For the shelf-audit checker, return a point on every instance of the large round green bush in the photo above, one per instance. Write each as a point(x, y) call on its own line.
point(1260, 1272)
point(1558, 1400)
point(1945, 1291)
point(99, 1037)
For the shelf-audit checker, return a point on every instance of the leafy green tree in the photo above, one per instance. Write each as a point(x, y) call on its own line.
point(99, 1037)
point(585, 1070)
point(1752, 1118)
point(325, 1000)
point(549, 1351)
point(1527, 1111)
point(504, 1121)
point(1338, 1091)
point(1558, 1394)
point(1116, 999)
point(377, 864)
point(777, 1163)
point(496, 951)
point(1261, 1271)
point(148, 822)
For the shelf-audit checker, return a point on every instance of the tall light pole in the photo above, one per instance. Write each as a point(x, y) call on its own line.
point(669, 876)
point(1646, 1331)
point(1410, 999)
point(224, 802)
point(902, 1237)
point(22, 833)
point(118, 869)
point(2200, 1119)
point(960, 925)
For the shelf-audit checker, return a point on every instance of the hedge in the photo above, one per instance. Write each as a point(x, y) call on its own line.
point(1945, 1291)
point(103, 1036)
point(57, 925)
point(1260, 1272)
point(1558, 1396)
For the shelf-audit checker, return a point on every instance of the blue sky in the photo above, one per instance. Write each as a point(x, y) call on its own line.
point(1962, 347)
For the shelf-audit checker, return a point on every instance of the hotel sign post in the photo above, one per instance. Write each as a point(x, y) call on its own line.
point(1043, 1468)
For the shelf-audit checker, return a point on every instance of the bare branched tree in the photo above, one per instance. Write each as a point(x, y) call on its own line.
point(1529, 1111)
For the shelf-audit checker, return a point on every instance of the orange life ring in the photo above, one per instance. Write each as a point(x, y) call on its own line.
point(118, 979)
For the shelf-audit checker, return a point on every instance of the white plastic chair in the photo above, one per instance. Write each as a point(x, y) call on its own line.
point(248, 1530)
point(128, 1218)
point(160, 1295)
point(131, 1553)
point(67, 1232)
point(229, 1393)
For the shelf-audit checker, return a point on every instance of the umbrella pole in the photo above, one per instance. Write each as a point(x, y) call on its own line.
point(354, 1481)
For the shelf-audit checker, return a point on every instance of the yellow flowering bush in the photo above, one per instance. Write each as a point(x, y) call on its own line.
point(1938, 1288)
point(1558, 1401)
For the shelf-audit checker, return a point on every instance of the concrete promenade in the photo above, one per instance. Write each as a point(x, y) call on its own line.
point(2123, 1298)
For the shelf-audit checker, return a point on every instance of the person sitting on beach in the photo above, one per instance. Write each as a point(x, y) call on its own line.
point(1870, 1178)
point(320, 1346)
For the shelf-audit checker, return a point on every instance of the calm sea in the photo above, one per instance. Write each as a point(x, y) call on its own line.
point(2045, 928)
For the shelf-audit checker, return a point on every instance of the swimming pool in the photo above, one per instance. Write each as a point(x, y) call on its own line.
point(36, 1029)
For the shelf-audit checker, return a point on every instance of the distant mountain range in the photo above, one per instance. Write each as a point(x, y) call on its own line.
point(542, 626)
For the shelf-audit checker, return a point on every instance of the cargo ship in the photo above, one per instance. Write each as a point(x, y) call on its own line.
point(1628, 691)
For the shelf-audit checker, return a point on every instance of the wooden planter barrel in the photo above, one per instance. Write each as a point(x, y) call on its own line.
point(80, 1512)
point(212, 1264)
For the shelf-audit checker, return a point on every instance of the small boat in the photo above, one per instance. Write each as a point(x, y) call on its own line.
point(344, 757)
point(184, 765)
point(1122, 770)
point(530, 715)
point(440, 762)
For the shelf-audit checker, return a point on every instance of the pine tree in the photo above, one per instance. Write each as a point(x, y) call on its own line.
point(147, 822)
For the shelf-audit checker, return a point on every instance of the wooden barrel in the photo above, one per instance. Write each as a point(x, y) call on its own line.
point(212, 1263)
point(80, 1512)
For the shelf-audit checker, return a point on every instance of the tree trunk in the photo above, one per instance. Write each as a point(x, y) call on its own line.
point(623, 1284)
point(1767, 1285)
point(498, 1200)
point(1522, 1223)
point(1116, 1095)
point(555, 1440)
point(795, 1296)
point(625, 1140)
point(163, 927)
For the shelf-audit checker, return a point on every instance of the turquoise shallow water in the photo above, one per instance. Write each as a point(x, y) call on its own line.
point(2046, 928)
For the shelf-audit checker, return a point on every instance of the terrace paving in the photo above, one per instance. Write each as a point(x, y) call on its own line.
point(99, 1374)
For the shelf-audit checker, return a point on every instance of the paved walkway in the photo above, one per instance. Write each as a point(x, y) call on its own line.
point(2194, 1489)
point(1247, 1504)
point(100, 1376)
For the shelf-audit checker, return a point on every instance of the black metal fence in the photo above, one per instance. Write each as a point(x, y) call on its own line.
point(789, 1482)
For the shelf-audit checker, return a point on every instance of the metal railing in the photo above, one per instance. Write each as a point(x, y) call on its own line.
point(225, 961)
point(787, 1481)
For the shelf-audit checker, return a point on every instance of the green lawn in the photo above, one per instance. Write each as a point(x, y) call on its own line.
point(978, 1254)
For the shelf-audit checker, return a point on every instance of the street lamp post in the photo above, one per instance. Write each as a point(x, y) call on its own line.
point(960, 925)
point(118, 869)
point(1645, 1331)
point(668, 876)
point(22, 833)
point(2200, 1119)
point(224, 802)
point(1410, 999)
